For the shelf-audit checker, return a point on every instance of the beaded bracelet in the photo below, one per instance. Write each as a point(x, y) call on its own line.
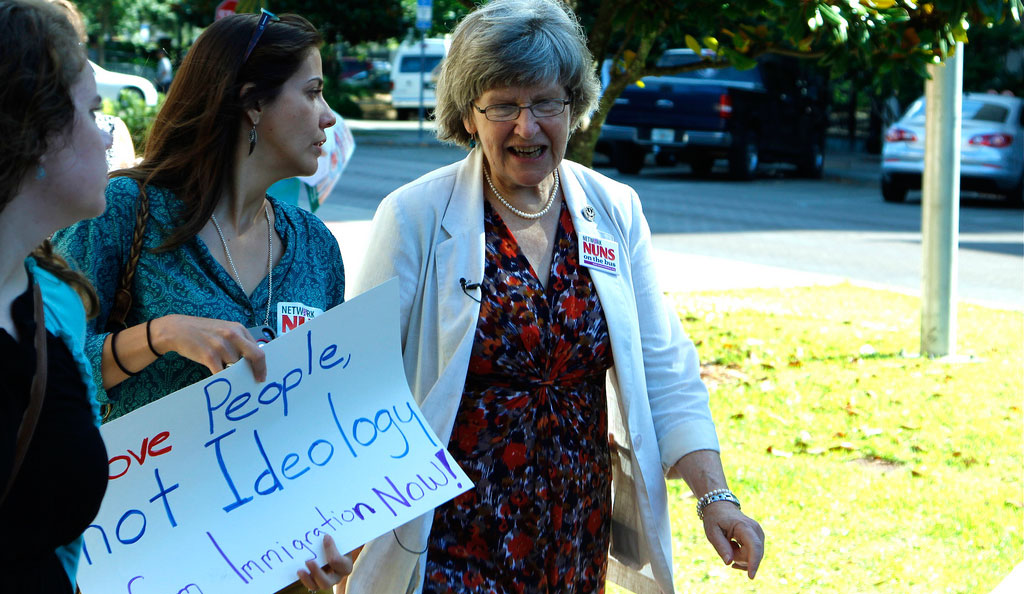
point(713, 496)
point(117, 360)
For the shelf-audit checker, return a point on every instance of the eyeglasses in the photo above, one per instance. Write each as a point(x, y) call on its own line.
point(507, 113)
point(265, 17)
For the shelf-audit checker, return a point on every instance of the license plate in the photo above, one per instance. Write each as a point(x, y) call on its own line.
point(663, 135)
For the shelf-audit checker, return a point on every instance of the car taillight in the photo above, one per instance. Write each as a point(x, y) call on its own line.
point(992, 140)
point(724, 106)
point(900, 135)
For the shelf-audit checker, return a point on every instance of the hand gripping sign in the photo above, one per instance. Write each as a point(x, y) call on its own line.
point(229, 485)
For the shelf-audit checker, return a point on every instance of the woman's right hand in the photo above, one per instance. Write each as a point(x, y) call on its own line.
point(215, 344)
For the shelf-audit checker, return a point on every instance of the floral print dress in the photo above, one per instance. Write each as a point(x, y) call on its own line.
point(531, 431)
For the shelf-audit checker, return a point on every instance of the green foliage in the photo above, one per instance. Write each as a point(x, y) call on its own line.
point(863, 463)
point(138, 116)
point(884, 39)
point(342, 97)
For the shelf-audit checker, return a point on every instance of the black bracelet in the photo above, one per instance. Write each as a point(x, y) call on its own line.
point(113, 351)
point(149, 340)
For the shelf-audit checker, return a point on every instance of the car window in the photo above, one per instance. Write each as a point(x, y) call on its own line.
point(972, 109)
point(985, 112)
point(412, 63)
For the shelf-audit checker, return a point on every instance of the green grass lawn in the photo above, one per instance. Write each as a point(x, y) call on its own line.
point(869, 469)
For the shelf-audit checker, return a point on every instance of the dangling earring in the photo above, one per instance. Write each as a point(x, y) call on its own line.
point(252, 139)
point(40, 172)
point(472, 141)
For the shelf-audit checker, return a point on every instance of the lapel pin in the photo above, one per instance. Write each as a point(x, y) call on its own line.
point(588, 213)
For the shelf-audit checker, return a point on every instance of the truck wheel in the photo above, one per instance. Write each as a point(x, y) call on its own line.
point(893, 191)
point(743, 157)
point(812, 164)
point(628, 158)
point(701, 166)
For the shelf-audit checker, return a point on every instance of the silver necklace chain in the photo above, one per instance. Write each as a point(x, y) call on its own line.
point(520, 213)
point(270, 259)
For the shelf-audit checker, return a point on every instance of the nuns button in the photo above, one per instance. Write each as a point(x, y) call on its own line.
point(589, 213)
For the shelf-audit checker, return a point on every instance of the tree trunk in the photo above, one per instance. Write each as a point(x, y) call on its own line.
point(582, 143)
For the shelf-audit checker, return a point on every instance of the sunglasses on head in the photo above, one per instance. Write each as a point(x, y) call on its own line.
point(265, 17)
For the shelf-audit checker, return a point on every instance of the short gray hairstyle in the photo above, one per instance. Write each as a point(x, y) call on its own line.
point(514, 43)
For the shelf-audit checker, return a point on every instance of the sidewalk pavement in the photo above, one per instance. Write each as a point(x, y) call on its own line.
point(702, 273)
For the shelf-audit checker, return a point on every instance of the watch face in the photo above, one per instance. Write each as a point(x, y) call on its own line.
point(262, 334)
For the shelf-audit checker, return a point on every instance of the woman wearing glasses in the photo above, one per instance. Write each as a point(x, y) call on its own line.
point(524, 279)
point(212, 254)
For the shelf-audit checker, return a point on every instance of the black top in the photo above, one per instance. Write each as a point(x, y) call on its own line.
point(64, 475)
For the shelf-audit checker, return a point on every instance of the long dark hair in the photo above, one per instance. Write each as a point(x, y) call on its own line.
point(41, 61)
point(191, 147)
point(42, 58)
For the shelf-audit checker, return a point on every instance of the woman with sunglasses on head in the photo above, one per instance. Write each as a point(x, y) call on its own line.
point(52, 174)
point(525, 279)
point(204, 255)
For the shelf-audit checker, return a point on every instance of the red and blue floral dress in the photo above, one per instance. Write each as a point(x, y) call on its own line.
point(531, 431)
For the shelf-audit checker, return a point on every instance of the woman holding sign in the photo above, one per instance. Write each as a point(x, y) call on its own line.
point(524, 280)
point(52, 174)
point(191, 259)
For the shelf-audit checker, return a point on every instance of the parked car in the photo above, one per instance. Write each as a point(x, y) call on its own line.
point(777, 111)
point(991, 148)
point(350, 67)
point(410, 59)
point(110, 84)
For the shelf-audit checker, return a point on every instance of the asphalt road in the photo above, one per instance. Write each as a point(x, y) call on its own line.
point(837, 227)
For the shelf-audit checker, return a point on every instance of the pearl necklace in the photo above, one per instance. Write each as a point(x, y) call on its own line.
point(516, 211)
point(270, 259)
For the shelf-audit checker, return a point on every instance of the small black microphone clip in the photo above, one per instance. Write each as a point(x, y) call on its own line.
point(467, 287)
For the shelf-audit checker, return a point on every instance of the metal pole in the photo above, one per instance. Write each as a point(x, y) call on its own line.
point(940, 205)
point(423, 60)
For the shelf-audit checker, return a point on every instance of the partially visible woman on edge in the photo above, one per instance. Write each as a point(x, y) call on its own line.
point(508, 331)
point(52, 174)
point(216, 255)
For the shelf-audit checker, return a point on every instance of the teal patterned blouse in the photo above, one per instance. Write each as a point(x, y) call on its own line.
point(189, 281)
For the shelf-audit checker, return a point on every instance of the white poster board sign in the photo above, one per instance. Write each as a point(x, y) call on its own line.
point(229, 485)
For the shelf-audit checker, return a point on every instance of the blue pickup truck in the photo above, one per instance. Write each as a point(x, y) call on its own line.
point(776, 112)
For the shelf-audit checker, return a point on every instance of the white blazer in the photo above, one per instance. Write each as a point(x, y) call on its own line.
point(430, 234)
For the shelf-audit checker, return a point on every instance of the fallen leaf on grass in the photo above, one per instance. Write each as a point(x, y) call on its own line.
point(909, 427)
point(844, 446)
point(1014, 504)
point(815, 451)
point(870, 431)
point(779, 453)
point(919, 471)
point(777, 418)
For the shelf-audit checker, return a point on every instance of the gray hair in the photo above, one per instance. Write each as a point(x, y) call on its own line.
point(514, 43)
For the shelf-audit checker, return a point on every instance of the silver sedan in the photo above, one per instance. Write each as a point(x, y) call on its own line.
point(991, 148)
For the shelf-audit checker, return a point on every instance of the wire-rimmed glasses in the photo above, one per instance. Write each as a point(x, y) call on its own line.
point(503, 112)
point(265, 17)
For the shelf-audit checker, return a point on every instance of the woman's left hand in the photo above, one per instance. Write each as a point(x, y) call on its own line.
point(738, 539)
point(338, 566)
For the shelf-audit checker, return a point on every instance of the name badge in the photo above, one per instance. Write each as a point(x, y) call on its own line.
point(599, 253)
point(292, 314)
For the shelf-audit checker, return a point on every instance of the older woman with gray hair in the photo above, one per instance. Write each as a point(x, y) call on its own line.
point(524, 280)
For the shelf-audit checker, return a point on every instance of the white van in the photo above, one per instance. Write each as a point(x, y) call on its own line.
point(405, 75)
